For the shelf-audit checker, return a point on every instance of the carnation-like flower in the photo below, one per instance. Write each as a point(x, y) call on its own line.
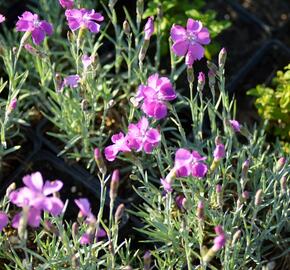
point(189, 41)
point(35, 196)
point(3, 220)
point(83, 18)
point(141, 137)
point(120, 145)
point(149, 28)
point(220, 239)
point(72, 81)
point(66, 3)
point(189, 163)
point(2, 18)
point(29, 22)
point(154, 96)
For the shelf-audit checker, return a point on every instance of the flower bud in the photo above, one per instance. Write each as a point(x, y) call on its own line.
point(114, 184)
point(201, 81)
point(200, 210)
point(12, 105)
point(258, 197)
point(139, 10)
point(245, 195)
point(222, 57)
point(190, 74)
point(10, 188)
point(149, 28)
point(84, 105)
point(236, 237)
point(143, 51)
point(100, 161)
point(283, 184)
point(147, 260)
point(59, 83)
point(280, 163)
point(218, 140)
point(219, 152)
point(126, 28)
point(119, 212)
point(245, 168)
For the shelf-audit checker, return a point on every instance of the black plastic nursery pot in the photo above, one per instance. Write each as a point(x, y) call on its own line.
point(260, 69)
point(271, 16)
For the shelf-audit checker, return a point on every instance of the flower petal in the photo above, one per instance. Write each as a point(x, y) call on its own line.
point(177, 32)
point(180, 47)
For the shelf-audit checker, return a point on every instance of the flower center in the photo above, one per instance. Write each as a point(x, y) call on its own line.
point(191, 37)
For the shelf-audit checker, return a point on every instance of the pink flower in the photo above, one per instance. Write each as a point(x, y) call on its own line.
point(3, 220)
point(154, 96)
point(141, 137)
point(235, 125)
point(29, 22)
point(87, 61)
point(2, 18)
point(188, 41)
point(166, 185)
point(149, 28)
point(66, 3)
point(84, 206)
point(219, 152)
point(189, 163)
point(72, 81)
point(180, 200)
point(220, 240)
point(120, 145)
point(83, 18)
point(34, 196)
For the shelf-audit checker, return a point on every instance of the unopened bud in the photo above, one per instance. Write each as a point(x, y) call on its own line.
point(200, 210)
point(119, 212)
point(139, 10)
point(149, 28)
point(84, 105)
point(236, 237)
point(201, 81)
point(218, 140)
point(126, 28)
point(245, 168)
point(211, 78)
point(283, 184)
point(10, 188)
point(280, 163)
point(114, 184)
point(74, 229)
point(190, 74)
point(222, 57)
point(12, 105)
point(59, 83)
point(100, 161)
point(258, 197)
point(245, 195)
point(159, 11)
point(147, 260)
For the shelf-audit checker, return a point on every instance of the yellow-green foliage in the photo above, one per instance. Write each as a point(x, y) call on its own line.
point(273, 103)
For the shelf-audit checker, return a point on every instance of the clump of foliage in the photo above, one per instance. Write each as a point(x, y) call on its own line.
point(273, 105)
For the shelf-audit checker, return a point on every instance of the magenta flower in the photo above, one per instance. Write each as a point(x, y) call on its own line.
point(66, 3)
point(29, 22)
point(220, 240)
point(141, 137)
point(72, 81)
point(3, 220)
point(154, 96)
point(189, 163)
point(120, 145)
point(149, 28)
point(188, 41)
point(235, 125)
point(180, 200)
point(83, 18)
point(34, 196)
point(219, 152)
point(84, 206)
point(2, 18)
